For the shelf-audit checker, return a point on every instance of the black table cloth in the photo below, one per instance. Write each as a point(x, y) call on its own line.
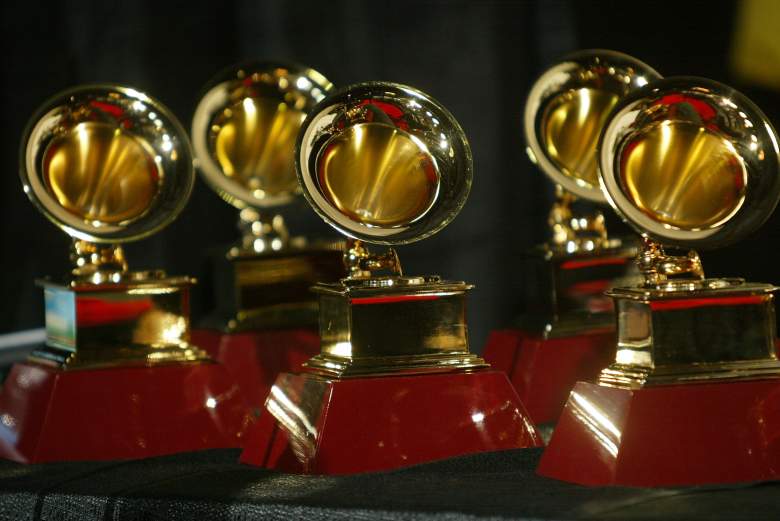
point(213, 485)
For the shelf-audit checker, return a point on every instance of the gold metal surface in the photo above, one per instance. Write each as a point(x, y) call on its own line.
point(254, 144)
point(393, 325)
point(719, 329)
point(571, 125)
point(244, 130)
point(656, 266)
point(378, 175)
point(101, 173)
point(106, 163)
point(360, 262)
point(138, 323)
point(384, 163)
point(272, 290)
point(684, 175)
point(109, 165)
point(578, 233)
point(566, 109)
point(690, 163)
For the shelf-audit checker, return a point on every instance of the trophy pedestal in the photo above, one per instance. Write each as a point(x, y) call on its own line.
point(51, 414)
point(324, 426)
point(569, 332)
point(394, 385)
point(693, 396)
point(668, 435)
point(543, 370)
point(118, 378)
point(266, 316)
point(255, 358)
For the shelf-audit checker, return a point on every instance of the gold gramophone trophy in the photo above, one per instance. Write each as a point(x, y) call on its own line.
point(244, 132)
point(395, 383)
point(567, 332)
point(693, 395)
point(118, 377)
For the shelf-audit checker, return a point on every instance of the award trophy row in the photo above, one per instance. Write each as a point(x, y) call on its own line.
point(693, 391)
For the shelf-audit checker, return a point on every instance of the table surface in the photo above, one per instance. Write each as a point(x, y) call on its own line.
point(213, 485)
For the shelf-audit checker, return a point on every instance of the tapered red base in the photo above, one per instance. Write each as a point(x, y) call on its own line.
point(48, 414)
point(667, 435)
point(255, 358)
point(321, 426)
point(544, 370)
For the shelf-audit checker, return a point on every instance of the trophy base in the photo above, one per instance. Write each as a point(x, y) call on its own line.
point(667, 435)
point(50, 414)
point(544, 370)
point(318, 425)
point(255, 358)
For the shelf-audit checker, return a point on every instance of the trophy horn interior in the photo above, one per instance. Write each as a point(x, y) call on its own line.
point(106, 163)
point(566, 110)
point(245, 127)
point(384, 163)
point(691, 162)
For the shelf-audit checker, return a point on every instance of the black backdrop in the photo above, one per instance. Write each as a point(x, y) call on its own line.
point(477, 58)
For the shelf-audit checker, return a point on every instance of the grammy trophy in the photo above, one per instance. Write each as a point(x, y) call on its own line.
point(567, 332)
point(118, 377)
point(693, 393)
point(395, 383)
point(243, 134)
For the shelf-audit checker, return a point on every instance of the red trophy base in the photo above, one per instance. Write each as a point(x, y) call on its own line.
point(47, 414)
point(543, 371)
point(321, 426)
point(255, 358)
point(671, 435)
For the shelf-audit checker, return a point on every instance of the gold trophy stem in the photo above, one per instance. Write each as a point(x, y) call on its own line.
point(360, 262)
point(570, 232)
point(656, 266)
point(97, 262)
point(260, 234)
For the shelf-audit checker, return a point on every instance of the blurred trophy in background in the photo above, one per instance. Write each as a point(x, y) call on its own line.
point(693, 393)
point(243, 133)
point(118, 377)
point(567, 332)
point(395, 383)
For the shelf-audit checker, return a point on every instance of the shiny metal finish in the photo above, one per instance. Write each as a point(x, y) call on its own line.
point(106, 163)
point(245, 126)
point(378, 175)
point(716, 329)
point(140, 323)
point(566, 110)
point(100, 173)
point(393, 326)
point(384, 163)
point(690, 162)
point(109, 164)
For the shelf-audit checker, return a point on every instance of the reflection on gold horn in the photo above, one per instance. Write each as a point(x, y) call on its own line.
point(101, 173)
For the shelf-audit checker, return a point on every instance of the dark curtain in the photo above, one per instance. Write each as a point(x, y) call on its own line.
point(478, 58)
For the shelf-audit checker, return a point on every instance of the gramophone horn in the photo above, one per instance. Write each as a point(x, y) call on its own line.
point(690, 162)
point(245, 126)
point(384, 163)
point(106, 163)
point(566, 110)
